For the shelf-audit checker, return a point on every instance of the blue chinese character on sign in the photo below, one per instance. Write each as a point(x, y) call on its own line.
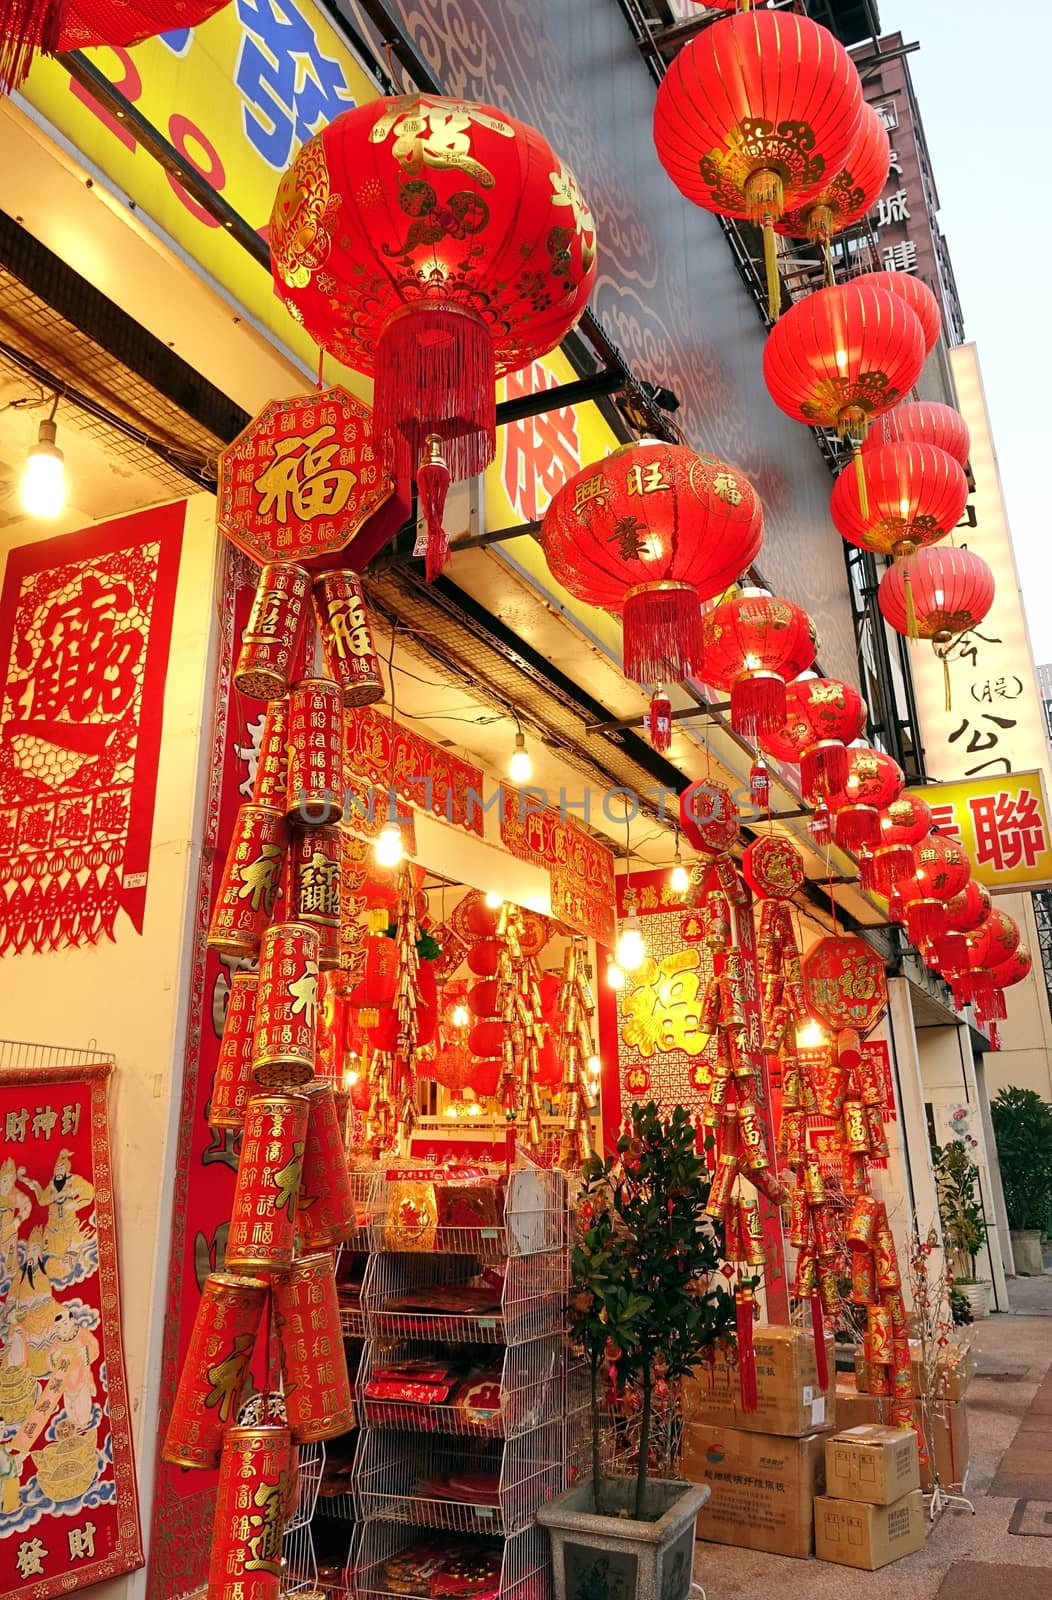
point(290, 88)
point(178, 40)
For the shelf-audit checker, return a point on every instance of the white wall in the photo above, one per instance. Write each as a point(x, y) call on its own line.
point(1025, 1057)
point(129, 998)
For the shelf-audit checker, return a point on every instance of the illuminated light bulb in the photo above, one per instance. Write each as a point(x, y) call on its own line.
point(651, 548)
point(939, 597)
point(451, 1111)
point(388, 847)
point(495, 901)
point(631, 948)
point(461, 1017)
point(753, 663)
point(904, 508)
point(44, 479)
point(350, 1078)
point(474, 1109)
point(810, 1035)
point(520, 767)
point(595, 1066)
point(679, 877)
point(614, 976)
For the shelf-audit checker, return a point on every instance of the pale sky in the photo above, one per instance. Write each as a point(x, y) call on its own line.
point(982, 81)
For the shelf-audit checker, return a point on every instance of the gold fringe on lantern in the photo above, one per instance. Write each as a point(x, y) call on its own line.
point(860, 479)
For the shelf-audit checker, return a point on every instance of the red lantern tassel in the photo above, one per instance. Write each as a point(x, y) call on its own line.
point(818, 827)
point(925, 919)
point(760, 785)
point(824, 768)
point(867, 870)
point(659, 721)
point(995, 1037)
point(662, 632)
point(854, 826)
point(26, 26)
point(951, 951)
point(436, 373)
point(891, 861)
point(432, 482)
point(860, 481)
point(743, 1308)
point(993, 1008)
point(818, 1330)
point(758, 704)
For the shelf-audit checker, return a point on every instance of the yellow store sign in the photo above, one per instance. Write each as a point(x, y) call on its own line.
point(1003, 824)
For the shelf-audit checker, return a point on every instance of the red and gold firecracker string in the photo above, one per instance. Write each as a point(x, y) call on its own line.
point(271, 641)
point(346, 637)
point(314, 889)
point(251, 879)
point(252, 1503)
point(576, 1047)
point(318, 1399)
point(233, 1082)
point(272, 765)
point(316, 741)
point(325, 1212)
point(284, 1040)
point(262, 1234)
point(215, 1369)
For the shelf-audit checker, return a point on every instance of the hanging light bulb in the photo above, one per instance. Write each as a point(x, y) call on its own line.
point(679, 877)
point(388, 847)
point(474, 1109)
point(520, 767)
point(460, 1016)
point(350, 1078)
point(614, 976)
point(810, 1035)
point(594, 1066)
point(44, 480)
point(495, 901)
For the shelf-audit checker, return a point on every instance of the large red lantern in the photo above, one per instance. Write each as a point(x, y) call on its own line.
point(916, 294)
point(950, 953)
point(650, 532)
point(842, 356)
point(923, 422)
point(1018, 966)
point(753, 643)
point(873, 783)
point(850, 194)
point(434, 244)
point(915, 494)
point(53, 27)
point(952, 590)
point(941, 870)
point(992, 944)
point(756, 115)
point(822, 717)
point(903, 824)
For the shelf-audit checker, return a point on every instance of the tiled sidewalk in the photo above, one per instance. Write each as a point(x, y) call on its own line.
point(1004, 1552)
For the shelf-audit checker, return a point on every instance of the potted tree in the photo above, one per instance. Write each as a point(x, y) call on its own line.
point(641, 1298)
point(963, 1221)
point(1023, 1130)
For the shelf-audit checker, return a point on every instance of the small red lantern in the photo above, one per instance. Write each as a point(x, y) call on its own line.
point(968, 909)
point(753, 644)
point(650, 532)
point(434, 244)
point(915, 495)
point(483, 958)
point(874, 782)
point(822, 717)
point(755, 116)
point(850, 194)
point(923, 422)
point(916, 294)
point(952, 591)
point(482, 998)
point(903, 824)
point(941, 870)
point(487, 1038)
point(993, 944)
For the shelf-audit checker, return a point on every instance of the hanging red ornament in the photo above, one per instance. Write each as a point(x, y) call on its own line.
point(487, 1038)
point(903, 824)
point(849, 195)
point(952, 591)
point(915, 496)
point(708, 817)
point(659, 721)
point(760, 785)
point(483, 998)
point(922, 422)
point(820, 825)
point(753, 644)
point(992, 944)
point(755, 116)
point(873, 783)
point(967, 909)
point(916, 294)
point(434, 244)
point(941, 870)
point(56, 26)
point(822, 717)
point(844, 983)
point(1018, 966)
point(649, 532)
point(483, 959)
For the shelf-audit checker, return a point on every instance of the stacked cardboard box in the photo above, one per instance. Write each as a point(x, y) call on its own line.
point(940, 1412)
point(872, 1512)
point(763, 1467)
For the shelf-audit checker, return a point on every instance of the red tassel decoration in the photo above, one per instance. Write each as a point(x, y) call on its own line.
point(760, 785)
point(854, 826)
point(436, 374)
point(993, 1007)
point(925, 919)
point(891, 862)
point(27, 26)
point(432, 482)
point(659, 721)
point(819, 824)
point(995, 1037)
point(950, 951)
point(743, 1306)
point(824, 768)
point(662, 632)
point(758, 704)
point(818, 1329)
point(867, 868)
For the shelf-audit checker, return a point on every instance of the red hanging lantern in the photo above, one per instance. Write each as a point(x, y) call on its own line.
point(941, 870)
point(850, 194)
point(650, 532)
point(822, 717)
point(873, 783)
point(923, 422)
point(951, 952)
point(755, 116)
point(915, 495)
point(1019, 965)
point(56, 26)
point(434, 244)
point(659, 721)
point(753, 644)
point(903, 824)
point(916, 294)
point(483, 958)
point(952, 591)
point(990, 947)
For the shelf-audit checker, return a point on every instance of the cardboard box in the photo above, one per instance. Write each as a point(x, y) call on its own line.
point(853, 1408)
point(791, 1403)
point(763, 1486)
point(857, 1534)
point(946, 1431)
point(873, 1463)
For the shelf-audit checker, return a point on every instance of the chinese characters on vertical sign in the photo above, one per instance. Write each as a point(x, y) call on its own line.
point(68, 1508)
point(538, 454)
point(85, 626)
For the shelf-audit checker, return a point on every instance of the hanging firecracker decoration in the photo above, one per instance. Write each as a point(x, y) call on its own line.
point(753, 643)
point(262, 1234)
point(314, 888)
point(922, 422)
point(317, 1387)
point(755, 116)
point(822, 717)
point(659, 721)
point(576, 1007)
point(273, 636)
point(949, 591)
point(496, 256)
point(849, 196)
point(251, 880)
point(233, 1082)
point(940, 871)
point(53, 28)
point(350, 656)
point(326, 1214)
point(903, 824)
point(916, 294)
point(841, 357)
point(648, 533)
point(272, 765)
point(915, 496)
point(315, 771)
point(246, 1539)
point(215, 1370)
point(285, 1025)
point(873, 783)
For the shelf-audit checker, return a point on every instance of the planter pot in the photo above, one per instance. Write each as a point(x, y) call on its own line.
point(1026, 1251)
point(615, 1558)
point(978, 1296)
